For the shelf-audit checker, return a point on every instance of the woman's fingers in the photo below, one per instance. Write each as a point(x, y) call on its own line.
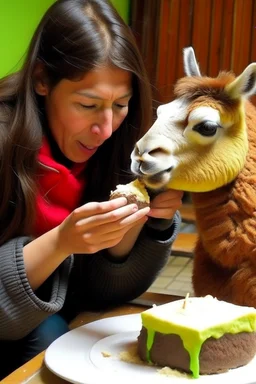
point(165, 211)
point(95, 208)
point(164, 205)
point(101, 240)
point(89, 233)
point(122, 221)
point(115, 216)
point(166, 199)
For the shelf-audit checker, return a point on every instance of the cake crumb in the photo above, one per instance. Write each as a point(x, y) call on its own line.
point(131, 355)
point(166, 371)
point(106, 354)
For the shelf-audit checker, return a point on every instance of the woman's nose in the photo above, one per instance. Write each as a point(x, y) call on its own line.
point(104, 126)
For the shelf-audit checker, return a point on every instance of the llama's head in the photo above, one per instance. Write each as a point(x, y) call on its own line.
point(199, 141)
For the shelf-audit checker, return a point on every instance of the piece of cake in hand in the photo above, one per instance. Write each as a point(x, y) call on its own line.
point(135, 192)
point(198, 335)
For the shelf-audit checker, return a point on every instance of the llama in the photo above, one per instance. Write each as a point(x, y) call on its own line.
point(204, 142)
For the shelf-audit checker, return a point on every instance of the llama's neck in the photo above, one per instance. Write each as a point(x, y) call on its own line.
point(206, 203)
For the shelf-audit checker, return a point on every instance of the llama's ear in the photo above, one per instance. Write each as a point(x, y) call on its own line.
point(191, 67)
point(243, 85)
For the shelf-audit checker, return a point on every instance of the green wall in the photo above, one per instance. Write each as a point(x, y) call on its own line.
point(18, 20)
point(123, 7)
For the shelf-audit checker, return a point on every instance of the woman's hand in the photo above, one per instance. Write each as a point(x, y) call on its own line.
point(88, 229)
point(95, 226)
point(165, 204)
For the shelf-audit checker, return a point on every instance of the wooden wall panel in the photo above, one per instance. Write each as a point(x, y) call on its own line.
point(201, 30)
point(184, 33)
point(222, 33)
point(216, 33)
point(253, 41)
point(225, 44)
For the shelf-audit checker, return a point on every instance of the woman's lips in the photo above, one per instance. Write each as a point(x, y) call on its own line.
point(88, 149)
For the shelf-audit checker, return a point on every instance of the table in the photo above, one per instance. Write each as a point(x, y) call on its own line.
point(35, 372)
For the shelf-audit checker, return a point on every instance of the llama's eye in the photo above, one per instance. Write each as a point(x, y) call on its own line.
point(206, 128)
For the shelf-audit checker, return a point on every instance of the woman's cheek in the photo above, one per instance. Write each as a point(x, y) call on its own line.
point(119, 121)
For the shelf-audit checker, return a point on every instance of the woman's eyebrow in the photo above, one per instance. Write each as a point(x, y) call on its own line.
point(126, 95)
point(94, 96)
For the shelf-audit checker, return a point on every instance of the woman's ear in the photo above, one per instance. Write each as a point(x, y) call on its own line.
point(40, 82)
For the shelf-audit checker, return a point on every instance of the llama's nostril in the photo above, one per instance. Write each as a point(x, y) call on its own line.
point(157, 151)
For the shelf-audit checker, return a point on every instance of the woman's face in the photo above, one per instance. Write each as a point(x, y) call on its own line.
point(83, 114)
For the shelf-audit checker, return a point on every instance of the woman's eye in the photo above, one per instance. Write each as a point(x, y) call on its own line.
point(121, 106)
point(88, 106)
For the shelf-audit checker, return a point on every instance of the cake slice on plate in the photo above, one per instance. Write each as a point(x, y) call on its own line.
point(198, 335)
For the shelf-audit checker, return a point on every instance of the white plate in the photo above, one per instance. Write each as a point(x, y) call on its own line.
point(77, 357)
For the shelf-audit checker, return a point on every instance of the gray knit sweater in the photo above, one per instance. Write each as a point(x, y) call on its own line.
point(102, 281)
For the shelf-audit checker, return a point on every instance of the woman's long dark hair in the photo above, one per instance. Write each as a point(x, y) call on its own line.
point(73, 37)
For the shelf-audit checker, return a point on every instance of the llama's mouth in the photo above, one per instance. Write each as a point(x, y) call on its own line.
point(158, 180)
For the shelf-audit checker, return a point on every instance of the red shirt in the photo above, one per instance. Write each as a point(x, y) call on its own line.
point(60, 190)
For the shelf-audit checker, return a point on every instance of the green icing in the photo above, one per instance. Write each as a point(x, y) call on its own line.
point(193, 339)
point(150, 341)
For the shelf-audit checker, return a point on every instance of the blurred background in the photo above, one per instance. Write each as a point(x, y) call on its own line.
point(222, 33)
point(18, 21)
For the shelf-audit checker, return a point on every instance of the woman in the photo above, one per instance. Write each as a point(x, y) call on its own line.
point(69, 120)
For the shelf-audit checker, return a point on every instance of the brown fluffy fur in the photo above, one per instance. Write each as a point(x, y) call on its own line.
point(225, 255)
point(207, 89)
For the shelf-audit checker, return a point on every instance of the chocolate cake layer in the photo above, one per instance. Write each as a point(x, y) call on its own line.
point(131, 199)
point(216, 355)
